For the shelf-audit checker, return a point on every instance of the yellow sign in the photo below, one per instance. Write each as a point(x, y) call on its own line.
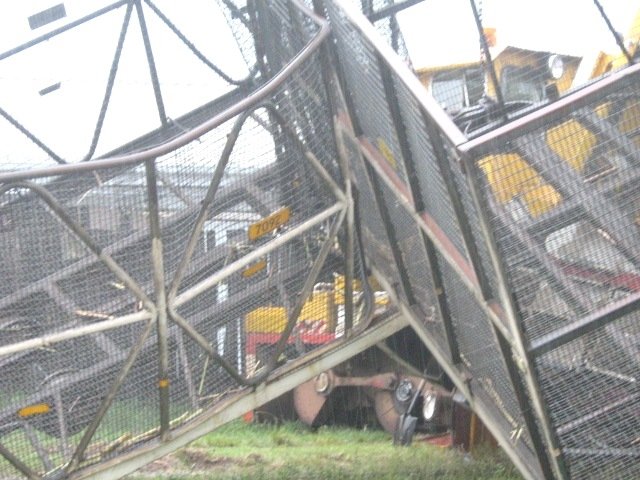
point(251, 270)
point(31, 410)
point(269, 224)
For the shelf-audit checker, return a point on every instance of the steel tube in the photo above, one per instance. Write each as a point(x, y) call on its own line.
point(18, 464)
point(291, 376)
point(306, 290)
point(585, 325)
point(85, 238)
point(238, 265)
point(153, 72)
point(62, 29)
point(247, 102)
point(108, 399)
point(54, 156)
point(110, 82)
point(520, 343)
point(291, 318)
point(157, 263)
point(207, 201)
point(47, 340)
point(454, 258)
point(391, 10)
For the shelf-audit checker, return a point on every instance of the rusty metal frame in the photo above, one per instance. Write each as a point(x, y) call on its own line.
point(520, 345)
point(292, 316)
point(460, 380)
point(156, 311)
point(508, 337)
point(283, 380)
point(555, 112)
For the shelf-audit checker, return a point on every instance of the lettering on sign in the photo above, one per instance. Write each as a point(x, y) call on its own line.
point(269, 224)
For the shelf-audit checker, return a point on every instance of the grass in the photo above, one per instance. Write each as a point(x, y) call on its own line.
point(125, 418)
point(292, 451)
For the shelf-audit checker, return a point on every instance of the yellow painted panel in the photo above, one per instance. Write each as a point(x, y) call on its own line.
point(386, 152)
point(630, 121)
point(269, 224)
point(510, 176)
point(266, 320)
point(320, 307)
point(572, 142)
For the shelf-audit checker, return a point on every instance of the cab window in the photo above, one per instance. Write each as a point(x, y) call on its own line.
point(521, 84)
point(457, 89)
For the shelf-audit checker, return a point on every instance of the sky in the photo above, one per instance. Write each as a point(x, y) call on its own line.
point(80, 60)
point(571, 27)
point(437, 32)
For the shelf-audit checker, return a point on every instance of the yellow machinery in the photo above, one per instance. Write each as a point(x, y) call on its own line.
point(378, 380)
point(523, 74)
point(527, 77)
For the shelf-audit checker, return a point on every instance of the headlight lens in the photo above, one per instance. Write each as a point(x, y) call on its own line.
point(429, 402)
point(556, 66)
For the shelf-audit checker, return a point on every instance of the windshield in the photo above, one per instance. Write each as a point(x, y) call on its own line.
point(521, 84)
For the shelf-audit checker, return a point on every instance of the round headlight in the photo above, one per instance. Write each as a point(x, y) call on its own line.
point(556, 66)
point(429, 402)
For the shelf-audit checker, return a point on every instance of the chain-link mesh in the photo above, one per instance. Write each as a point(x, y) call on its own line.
point(413, 280)
point(562, 204)
point(494, 61)
point(559, 199)
point(148, 291)
point(249, 218)
point(591, 386)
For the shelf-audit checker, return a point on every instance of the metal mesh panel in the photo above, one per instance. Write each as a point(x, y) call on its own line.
point(50, 395)
point(473, 334)
point(374, 235)
point(54, 279)
point(230, 241)
point(474, 223)
point(591, 387)
point(361, 68)
point(563, 209)
point(411, 246)
point(481, 354)
point(437, 200)
point(83, 250)
point(561, 202)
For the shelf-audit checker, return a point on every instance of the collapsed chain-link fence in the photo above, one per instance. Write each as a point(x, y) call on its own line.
point(171, 285)
point(141, 290)
point(513, 253)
